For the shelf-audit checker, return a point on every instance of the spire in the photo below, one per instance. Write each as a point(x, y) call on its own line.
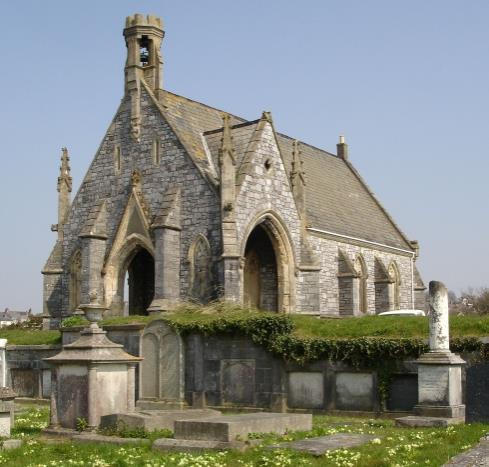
point(64, 171)
point(298, 181)
point(227, 165)
point(297, 173)
point(64, 190)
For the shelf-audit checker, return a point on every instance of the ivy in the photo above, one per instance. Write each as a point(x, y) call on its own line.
point(275, 332)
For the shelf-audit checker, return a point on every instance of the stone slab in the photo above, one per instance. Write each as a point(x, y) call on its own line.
point(188, 445)
point(152, 420)
point(318, 446)
point(94, 438)
point(233, 427)
point(415, 421)
point(477, 456)
point(11, 444)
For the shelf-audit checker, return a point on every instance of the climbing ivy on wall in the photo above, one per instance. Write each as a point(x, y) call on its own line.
point(275, 332)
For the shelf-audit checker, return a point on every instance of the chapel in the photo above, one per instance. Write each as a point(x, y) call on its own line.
point(185, 202)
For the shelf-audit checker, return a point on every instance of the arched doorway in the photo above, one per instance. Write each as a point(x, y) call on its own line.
point(140, 274)
point(260, 275)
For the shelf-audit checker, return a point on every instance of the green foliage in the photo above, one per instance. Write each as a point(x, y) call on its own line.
point(30, 336)
point(75, 320)
point(81, 424)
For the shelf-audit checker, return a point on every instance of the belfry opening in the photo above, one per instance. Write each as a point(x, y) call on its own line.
point(139, 283)
point(260, 275)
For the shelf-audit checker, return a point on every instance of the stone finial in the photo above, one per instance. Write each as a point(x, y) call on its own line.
point(267, 116)
point(64, 171)
point(438, 318)
point(342, 148)
point(297, 174)
point(226, 140)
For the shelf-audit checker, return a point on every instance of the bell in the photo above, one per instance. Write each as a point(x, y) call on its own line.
point(144, 56)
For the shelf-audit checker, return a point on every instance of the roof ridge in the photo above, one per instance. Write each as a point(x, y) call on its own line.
point(205, 105)
point(244, 122)
point(232, 127)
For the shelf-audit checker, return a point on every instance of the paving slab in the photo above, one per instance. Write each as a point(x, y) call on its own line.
point(477, 456)
point(188, 445)
point(238, 427)
point(152, 420)
point(413, 421)
point(318, 446)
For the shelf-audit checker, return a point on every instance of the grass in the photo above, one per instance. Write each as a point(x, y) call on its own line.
point(391, 447)
point(30, 336)
point(305, 326)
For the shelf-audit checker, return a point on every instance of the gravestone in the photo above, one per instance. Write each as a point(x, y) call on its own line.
point(162, 370)
point(238, 381)
point(439, 371)
point(354, 391)
point(306, 390)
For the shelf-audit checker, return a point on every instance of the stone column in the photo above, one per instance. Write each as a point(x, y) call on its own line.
point(131, 387)
point(53, 419)
point(167, 268)
point(93, 252)
point(3, 362)
point(438, 318)
point(93, 418)
point(439, 371)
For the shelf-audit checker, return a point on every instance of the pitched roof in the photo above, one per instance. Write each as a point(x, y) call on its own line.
point(337, 199)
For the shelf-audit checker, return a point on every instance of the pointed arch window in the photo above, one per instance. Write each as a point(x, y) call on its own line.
point(117, 159)
point(200, 269)
point(156, 152)
point(361, 283)
point(394, 287)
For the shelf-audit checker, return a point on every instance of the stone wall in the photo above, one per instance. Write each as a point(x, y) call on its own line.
point(232, 372)
point(199, 203)
point(27, 374)
point(333, 299)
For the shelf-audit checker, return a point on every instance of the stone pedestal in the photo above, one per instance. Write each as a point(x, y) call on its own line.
point(91, 377)
point(440, 386)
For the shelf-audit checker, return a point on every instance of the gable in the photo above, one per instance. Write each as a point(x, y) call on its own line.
point(337, 199)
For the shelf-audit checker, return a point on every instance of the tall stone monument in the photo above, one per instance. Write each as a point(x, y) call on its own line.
point(92, 376)
point(439, 371)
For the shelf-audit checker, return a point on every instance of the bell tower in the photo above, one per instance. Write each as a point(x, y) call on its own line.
point(143, 35)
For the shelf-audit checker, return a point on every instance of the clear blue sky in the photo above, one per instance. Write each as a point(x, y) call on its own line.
point(406, 82)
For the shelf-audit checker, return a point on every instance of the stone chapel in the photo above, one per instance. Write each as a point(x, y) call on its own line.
point(185, 202)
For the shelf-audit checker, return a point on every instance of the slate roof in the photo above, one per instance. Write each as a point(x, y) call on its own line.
point(337, 199)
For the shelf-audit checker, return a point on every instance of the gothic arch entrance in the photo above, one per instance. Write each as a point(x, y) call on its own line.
point(260, 282)
point(138, 283)
point(268, 275)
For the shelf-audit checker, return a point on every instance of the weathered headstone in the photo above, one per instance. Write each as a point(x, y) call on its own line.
point(439, 371)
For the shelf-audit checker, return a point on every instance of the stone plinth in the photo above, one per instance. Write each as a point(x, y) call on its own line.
point(230, 428)
point(91, 377)
point(440, 386)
